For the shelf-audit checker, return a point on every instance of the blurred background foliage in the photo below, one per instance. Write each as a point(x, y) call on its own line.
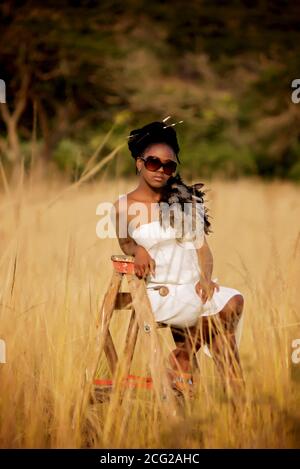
point(82, 73)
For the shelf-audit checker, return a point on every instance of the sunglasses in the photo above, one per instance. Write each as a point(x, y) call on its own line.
point(153, 163)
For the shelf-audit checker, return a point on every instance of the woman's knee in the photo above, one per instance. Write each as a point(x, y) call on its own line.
point(239, 301)
point(232, 311)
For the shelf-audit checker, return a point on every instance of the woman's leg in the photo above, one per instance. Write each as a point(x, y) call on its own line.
point(180, 358)
point(218, 331)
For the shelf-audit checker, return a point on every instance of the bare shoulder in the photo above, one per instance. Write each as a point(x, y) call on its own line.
point(123, 202)
point(121, 206)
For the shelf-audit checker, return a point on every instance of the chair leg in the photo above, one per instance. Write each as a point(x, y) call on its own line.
point(131, 338)
point(124, 364)
point(110, 352)
point(147, 327)
point(104, 339)
point(107, 310)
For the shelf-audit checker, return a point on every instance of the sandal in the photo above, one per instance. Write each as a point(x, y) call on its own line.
point(181, 382)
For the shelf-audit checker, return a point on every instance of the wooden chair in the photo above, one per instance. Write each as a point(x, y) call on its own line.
point(141, 321)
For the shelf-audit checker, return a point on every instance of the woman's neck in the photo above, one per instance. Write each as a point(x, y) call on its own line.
point(150, 193)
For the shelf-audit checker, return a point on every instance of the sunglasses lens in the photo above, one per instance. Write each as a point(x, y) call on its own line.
point(170, 167)
point(152, 164)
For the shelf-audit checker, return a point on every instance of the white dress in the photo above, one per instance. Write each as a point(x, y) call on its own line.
point(177, 268)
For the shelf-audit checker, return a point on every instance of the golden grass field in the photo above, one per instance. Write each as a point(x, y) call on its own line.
point(54, 272)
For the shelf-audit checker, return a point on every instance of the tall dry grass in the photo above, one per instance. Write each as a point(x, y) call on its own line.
point(54, 272)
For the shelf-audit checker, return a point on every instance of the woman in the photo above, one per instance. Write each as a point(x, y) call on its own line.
point(178, 271)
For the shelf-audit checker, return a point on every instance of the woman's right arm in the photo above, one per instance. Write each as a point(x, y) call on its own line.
point(143, 262)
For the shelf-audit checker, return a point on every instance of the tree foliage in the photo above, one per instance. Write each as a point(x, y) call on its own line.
point(75, 68)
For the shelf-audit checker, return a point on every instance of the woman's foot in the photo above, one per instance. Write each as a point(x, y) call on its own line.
point(179, 372)
point(181, 382)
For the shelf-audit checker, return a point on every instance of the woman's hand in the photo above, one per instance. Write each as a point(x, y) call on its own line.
point(143, 262)
point(205, 288)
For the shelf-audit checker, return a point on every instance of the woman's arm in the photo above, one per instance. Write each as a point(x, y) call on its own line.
point(205, 259)
point(205, 287)
point(143, 262)
point(127, 244)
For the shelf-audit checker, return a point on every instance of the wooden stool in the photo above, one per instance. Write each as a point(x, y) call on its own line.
point(141, 321)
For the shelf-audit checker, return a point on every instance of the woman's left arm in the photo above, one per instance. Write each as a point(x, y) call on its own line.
point(205, 259)
point(205, 287)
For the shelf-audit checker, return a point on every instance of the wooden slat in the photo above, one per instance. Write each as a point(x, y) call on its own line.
point(110, 352)
point(124, 363)
point(109, 302)
point(106, 312)
point(130, 343)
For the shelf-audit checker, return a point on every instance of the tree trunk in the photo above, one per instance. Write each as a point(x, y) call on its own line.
point(11, 119)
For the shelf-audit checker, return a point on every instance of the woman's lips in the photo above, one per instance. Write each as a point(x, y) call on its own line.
point(158, 178)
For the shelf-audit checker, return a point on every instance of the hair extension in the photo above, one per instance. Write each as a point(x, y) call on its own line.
point(177, 192)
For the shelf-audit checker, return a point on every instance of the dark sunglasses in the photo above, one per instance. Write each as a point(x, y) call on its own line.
point(153, 163)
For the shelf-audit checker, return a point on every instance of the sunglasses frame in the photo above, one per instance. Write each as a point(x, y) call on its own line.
point(163, 165)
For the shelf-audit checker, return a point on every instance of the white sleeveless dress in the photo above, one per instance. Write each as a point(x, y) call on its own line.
point(178, 269)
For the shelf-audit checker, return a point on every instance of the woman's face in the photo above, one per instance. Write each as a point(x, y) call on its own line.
point(165, 153)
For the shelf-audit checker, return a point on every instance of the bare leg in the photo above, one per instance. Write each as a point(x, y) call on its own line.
point(220, 330)
point(180, 360)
